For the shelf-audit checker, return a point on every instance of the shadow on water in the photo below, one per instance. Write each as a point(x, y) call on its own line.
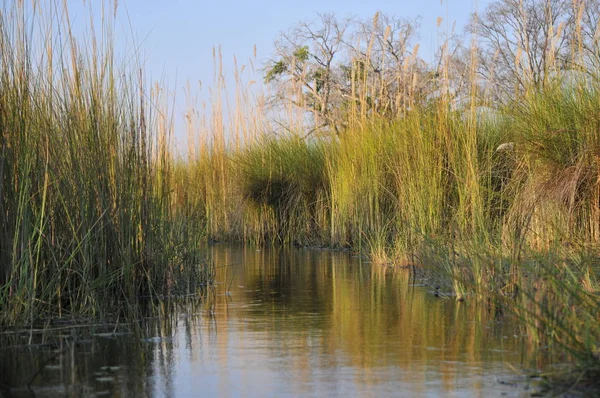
point(283, 322)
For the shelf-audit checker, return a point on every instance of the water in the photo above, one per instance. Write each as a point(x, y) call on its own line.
point(290, 323)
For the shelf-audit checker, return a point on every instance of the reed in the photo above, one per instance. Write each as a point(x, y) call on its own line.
point(87, 219)
point(286, 179)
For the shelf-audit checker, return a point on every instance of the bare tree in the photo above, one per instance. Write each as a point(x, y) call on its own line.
point(303, 72)
point(334, 71)
point(385, 62)
point(453, 71)
point(328, 67)
point(522, 42)
point(586, 40)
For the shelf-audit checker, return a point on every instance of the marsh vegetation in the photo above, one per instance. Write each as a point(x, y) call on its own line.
point(480, 167)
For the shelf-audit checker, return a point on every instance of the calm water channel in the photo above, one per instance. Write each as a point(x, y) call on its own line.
point(291, 322)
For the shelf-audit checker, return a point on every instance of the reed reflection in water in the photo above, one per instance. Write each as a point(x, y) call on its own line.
point(295, 322)
point(307, 322)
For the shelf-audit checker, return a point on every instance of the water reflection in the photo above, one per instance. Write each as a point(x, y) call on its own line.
point(293, 322)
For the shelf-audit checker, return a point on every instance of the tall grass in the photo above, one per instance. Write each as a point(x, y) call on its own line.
point(87, 220)
point(283, 181)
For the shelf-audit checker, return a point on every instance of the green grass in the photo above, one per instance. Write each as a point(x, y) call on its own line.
point(284, 181)
point(87, 222)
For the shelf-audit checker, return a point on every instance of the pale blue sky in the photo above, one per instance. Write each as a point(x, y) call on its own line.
point(179, 34)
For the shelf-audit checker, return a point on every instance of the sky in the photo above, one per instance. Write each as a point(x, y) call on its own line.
point(176, 37)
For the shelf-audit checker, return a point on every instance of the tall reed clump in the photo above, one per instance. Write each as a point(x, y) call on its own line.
point(86, 216)
point(362, 203)
point(283, 182)
point(399, 186)
point(217, 132)
point(552, 225)
point(541, 263)
point(559, 146)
